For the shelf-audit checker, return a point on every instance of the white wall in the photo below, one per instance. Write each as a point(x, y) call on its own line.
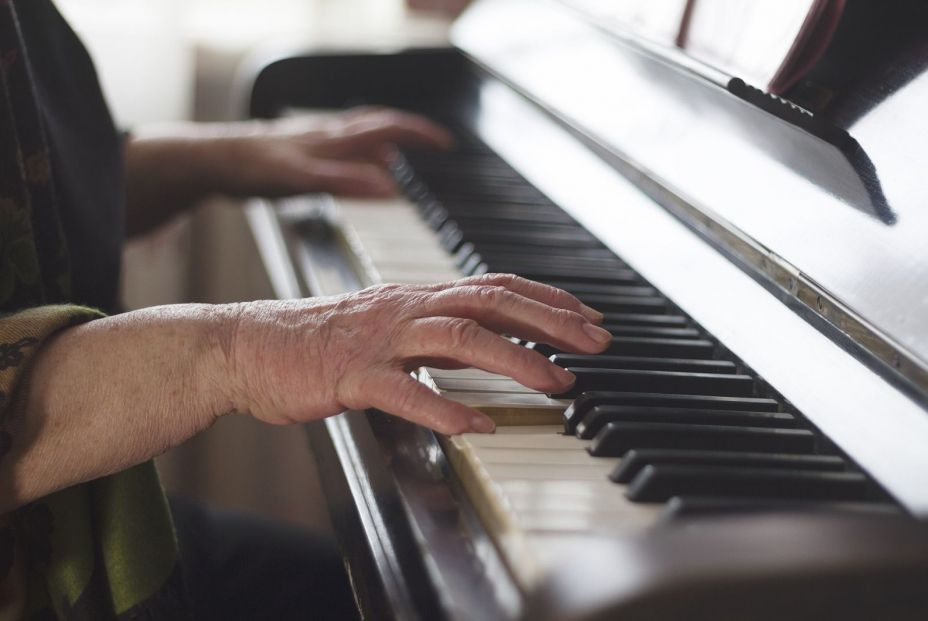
point(145, 50)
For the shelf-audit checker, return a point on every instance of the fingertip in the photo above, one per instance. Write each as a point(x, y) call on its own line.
point(564, 378)
point(379, 185)
point(437, 135)
point(389, 154)
point(599, 336)
point(446, 140)
point(591, 314)
point(481, 423)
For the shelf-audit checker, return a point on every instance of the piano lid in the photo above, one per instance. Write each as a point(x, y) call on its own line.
point(834, 215)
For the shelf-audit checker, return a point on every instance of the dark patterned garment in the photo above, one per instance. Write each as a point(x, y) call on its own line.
point(105, 549)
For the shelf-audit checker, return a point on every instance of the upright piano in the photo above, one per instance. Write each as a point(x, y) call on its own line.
point(753, 444)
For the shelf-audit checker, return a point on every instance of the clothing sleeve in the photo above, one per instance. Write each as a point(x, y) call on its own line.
point(21, 336)
point(103, 549)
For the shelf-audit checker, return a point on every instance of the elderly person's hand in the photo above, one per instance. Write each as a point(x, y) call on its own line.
point(302, 360)
point(170, 167)
point(342, 154)
point(161, 375)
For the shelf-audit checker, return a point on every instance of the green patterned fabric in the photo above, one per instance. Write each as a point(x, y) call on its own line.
point(105, 549)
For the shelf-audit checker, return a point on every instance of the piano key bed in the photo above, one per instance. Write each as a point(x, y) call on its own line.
point(666, 423)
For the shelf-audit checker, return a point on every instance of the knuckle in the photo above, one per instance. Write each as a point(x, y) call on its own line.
point(491, 295)
point(406, 398)
point(565, 318)
point(463, 332)
point(501, 280)
point(388, 117)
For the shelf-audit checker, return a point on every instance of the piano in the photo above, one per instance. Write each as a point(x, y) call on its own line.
point(753, 444)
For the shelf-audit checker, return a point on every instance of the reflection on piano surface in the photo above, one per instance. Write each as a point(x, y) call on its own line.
point(729, 456)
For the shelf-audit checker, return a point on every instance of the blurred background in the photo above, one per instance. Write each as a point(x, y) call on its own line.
point(175, 60)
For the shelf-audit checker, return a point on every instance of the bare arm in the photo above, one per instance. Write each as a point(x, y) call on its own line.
point(112, 393)
point(172, 167)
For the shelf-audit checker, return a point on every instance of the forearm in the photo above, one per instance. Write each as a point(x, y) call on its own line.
point(169, 168)
point(113, 393)
point(164, 176)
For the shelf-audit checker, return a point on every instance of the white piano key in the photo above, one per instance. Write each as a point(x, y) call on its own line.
point(544, 441)
point(471, 373)
point(524, 430)
point(515, 400)
point(468, 384)
point(539, 457)
point(544, 472)
point(548, 482)
point(528, 476)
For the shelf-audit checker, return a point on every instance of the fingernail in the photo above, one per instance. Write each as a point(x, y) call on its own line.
point(482, 424)
point(562, 376)
point(597, 335)
point(592, 315)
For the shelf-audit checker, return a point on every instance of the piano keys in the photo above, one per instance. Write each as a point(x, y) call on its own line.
point(534, 477)
point(714, 399)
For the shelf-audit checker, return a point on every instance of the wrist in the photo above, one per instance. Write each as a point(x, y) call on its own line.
point(218, 372)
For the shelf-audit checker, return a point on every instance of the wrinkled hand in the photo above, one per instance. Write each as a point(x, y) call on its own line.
point(344, 154)
point(301, 360)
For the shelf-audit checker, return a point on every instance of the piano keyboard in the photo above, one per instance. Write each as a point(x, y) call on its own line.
point(663, 424)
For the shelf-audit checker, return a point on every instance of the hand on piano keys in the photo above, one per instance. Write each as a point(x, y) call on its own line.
point(346, 153)
point(356, 351)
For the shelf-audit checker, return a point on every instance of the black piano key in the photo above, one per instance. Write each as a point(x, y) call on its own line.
point(516, 212)
point(617, 439)
point(637, 460)
point(470, 185)
point(554, 272)
point(660, 348)
point(641, 319)
point(490, 189)
point(468, 252)
point(659, 332)
point(655, 364)
point(456, 198)
point(546, 275)
point(451, 239)
point(480, 225)
point(673, 382)
point(683, 507)
point(463, 172)
point(647, 348)
point(514, 260)
point(530, 255)
point(583, 404)
point(624, 304)
point(601, 289)
point(552, 265)
point(602, 415)
point(662, 482)
point(521, 255)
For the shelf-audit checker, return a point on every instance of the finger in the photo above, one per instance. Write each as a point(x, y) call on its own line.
point(546, 294)
point(398, 393)
point(345, 178)
point(464, 341)
point(369, 133)
point(507, 312)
